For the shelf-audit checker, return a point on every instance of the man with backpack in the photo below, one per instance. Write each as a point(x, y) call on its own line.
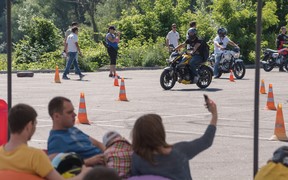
point(199, 51)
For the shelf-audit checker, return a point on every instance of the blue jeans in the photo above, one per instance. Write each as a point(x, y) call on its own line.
point(72, 59)
point(196, 59)
point(216, 65)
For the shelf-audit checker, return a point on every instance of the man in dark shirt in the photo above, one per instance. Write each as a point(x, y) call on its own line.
point(280, 43)
point(194, 43)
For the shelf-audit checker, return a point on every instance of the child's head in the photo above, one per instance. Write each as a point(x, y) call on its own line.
point(109, 137)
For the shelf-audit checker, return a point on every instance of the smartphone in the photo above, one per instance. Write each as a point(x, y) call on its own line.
point(206, 99)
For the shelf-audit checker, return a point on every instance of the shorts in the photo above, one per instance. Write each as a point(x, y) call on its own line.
point(112, 54)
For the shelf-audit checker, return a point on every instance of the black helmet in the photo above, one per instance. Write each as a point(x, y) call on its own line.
point(192, 33)
point(68, 164)
point(222, 32)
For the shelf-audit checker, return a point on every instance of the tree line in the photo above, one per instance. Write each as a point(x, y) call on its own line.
point(38, 27)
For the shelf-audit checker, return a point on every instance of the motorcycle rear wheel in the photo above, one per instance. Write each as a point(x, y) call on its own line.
point(167, 81)
point(239, 70)
point(268, 66)
point(205, 77)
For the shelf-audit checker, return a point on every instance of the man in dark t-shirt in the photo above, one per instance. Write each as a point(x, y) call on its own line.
point(281, 43)
point(194, 42)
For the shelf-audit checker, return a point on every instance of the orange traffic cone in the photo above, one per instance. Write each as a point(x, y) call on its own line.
point(57, 77)
point(122, 93)
point(116, 80)
point(82, 115)
point(262, 88)
point(270, 100)
point(279, 131)
point(231, 78)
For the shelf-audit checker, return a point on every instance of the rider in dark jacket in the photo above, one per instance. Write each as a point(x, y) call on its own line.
point(281, 40)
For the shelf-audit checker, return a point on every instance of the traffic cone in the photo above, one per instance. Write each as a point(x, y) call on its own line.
point(279, 131)
point(262, 88)
point(57, 77)
point(82, 115)
point(116, 80)
point(122, 93)
point(270, 100)
point(231, 78)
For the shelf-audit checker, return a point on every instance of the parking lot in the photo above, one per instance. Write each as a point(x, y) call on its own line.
point(182, 109)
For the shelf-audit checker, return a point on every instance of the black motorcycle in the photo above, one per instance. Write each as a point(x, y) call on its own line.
point(230, 60)
point(272, 59)
point(178, 70)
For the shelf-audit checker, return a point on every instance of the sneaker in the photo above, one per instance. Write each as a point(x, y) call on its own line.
point(65, 78)
point(216, 77)
point(117, 77)
point(110, 75)
point(281, 70)
point(195, 79)
point(81, 76)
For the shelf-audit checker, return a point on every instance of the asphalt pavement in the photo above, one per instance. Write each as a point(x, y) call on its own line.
point(182, 109)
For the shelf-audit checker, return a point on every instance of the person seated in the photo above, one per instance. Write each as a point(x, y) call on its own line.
point(118, 153)
point(154, 156)
point(102, 173)
point(277, 167)
point(17, 156)
point(65, 138)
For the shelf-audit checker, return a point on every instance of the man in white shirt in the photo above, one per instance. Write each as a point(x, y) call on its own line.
point(72, 48)
point(172, 38)
point(220, 43)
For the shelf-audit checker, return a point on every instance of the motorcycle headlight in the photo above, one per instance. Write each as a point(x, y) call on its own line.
point(275, 55)
point(237, 55)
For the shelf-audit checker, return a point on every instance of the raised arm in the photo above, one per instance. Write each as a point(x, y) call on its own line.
point(194, 147)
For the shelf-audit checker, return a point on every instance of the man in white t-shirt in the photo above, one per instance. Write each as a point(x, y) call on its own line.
point(220, 43)
point(72, 48)
point(172, 38)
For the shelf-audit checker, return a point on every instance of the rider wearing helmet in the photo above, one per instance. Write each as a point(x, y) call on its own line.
point(281, 43)
point(220, 43)
point(195, 43)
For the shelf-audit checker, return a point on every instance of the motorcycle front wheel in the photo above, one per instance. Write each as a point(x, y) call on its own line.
point(205, 77)
point(239, 70)
point(269, 65)
point(167, 79)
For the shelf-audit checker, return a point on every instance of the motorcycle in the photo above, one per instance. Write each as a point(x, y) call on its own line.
point(272, 59)
point(229, 61)
point(178, 70)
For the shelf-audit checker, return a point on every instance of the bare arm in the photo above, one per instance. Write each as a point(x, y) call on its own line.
point(180, 46)
point(97, 144)
point(78, 48)
point(213, 109)
point(232, 43)
point(94, 160)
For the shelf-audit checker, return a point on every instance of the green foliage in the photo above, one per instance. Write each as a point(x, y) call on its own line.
point(42, 37)
point(137, 52)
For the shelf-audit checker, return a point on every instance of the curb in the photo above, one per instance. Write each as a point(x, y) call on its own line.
point(249, 66)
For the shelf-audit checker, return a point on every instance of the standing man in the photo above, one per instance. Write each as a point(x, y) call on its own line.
point(17, 156)
point(280, 43)
point(172, 38)
point(67, 33)
point(65, 138)
point(72, 48)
